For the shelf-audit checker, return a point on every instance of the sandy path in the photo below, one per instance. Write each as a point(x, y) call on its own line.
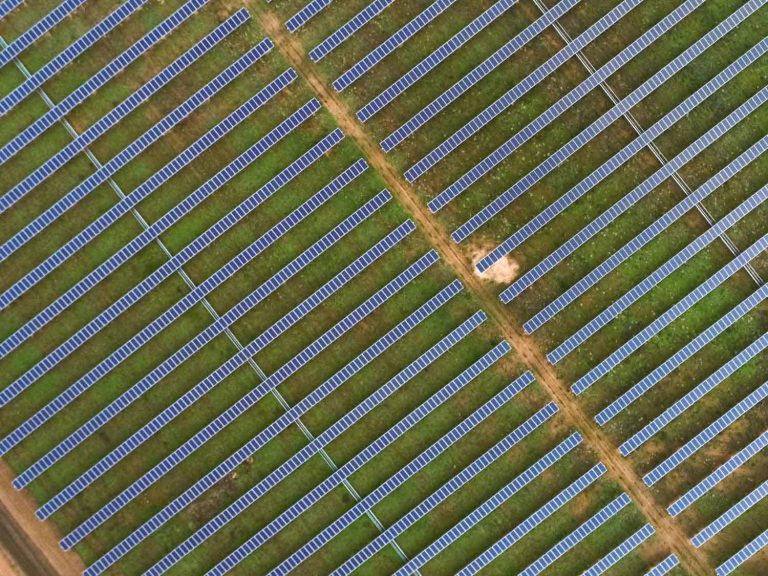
point(692, 559)
point(27, 544)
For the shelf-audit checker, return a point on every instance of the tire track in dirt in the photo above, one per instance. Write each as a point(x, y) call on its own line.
point(691, 558)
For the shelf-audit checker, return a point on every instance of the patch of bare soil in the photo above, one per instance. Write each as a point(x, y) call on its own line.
point(503, 271)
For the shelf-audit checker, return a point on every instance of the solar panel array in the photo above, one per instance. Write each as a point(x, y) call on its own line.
point(366, 503)
point(606, 169)
point(657, 276)
point(448, 489)
point(100, 127)
point(430, 62)
point(664, 566)
point(577, 536)
point(679, 357)
point(153, 328)
point(391, 44)
point(348, 29)
point(99, 79)
point(669, 316)
point(681, 405)
point(476, 74)
point(633, 197)
point(8, 6)
point(758, 544)
point(69, 54)
point(621, 551)
point(514, 94)
point(723, 471)
point(482, 511)
point(306, 14)
point(229, 415)
point(141, 192)
point(204, 386)
point(527, 525)
point(722, 521)
point(561, 107)
point(311, 400)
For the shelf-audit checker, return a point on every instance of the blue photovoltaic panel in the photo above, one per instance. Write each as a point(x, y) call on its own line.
point(664, 566)
point(306, 14)
point(597, 176)
point(209, 382)
point(730, 515)
point(296, 412)
point(8, 6)
point(644, 237)
point(461, 528)
point(37, 30)
point(151, 330)
point(527, 525)
point(428, 63)
point(107, 170)
point(564, 104)
point(447, 489)
point(99, 79)
point(694, 395)
point(621, 551)
point(718, 475)
point(162, 224)
point(391, 44)
point(68, 55)
point(348, 29)
point(686, 352)
point(743, 555)
point(476, 74)
point(96, 130)
point(706, 435)
point(235, 460)
point(657, 276)
point(515, 93)
point(669, 316)
point(632, 198)
point(415, 465)
point(577, 536)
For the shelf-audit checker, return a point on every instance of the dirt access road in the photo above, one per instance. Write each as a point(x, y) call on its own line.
point(692, 559)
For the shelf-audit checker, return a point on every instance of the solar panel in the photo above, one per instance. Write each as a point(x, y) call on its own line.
point(485, 509)
point(306, 14)
point(83, 140)
point(476, 74)
point(719, 474)
point(152, 329)
point(162, 224)
point(38, 29)
point(391, 44)
point(634, 196)
point(514, 94)
point(621, 551)
point(297, 411)
point(665, 319)
point(734, 512)
point(577, 536)
point(606, 169)
point(685, 353)
point(429, 62)
point(743, 555)
point(560, 107)
point(219, 374)
point(664, 566)
point(365, 504)
point(68, 54)
point(694, 395)
point(8, 6)
point(348, 29)
point(106, 171)
point(236, 459)
point(99, 79)
point(706, 435)
point(448, 489)
point(527, 525)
